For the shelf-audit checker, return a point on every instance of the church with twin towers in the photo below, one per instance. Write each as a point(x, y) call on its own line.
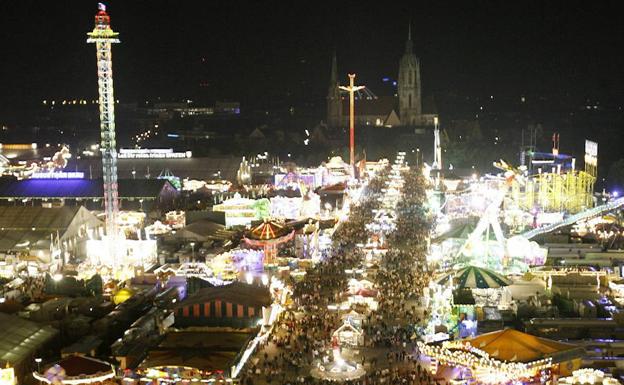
point(404, 108)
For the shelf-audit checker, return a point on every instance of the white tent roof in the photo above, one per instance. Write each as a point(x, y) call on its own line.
point(347, 326)
point(235, 201)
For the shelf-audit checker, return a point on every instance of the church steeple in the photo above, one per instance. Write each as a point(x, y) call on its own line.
point(333, 78)
point(409, 46)
point(334, 102)
point(410, 105)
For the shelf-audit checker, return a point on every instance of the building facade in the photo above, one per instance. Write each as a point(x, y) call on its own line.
point(409, 86)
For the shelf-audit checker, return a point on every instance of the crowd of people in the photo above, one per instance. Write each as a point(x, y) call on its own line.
point(28, 288)
point(409, 374)
point(303, 334)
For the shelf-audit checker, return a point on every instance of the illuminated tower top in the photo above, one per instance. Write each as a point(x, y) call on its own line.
point(102, 35)
point(102, 29)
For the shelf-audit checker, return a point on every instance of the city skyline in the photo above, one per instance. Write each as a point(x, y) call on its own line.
point(256, 53)
point(210, 202)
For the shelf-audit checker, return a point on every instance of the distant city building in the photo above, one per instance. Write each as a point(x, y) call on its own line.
point(185, 109)
point(383, 111)
point(134, 194)
point(410, 102)
point(334, 101)
point(378, 111)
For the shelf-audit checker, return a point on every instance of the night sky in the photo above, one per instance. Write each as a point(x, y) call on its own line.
point(258, 51)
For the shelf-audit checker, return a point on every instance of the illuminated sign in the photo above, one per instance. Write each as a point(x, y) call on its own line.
point(58, 175)
point(591, 152)
point(31, 146)
point(284, 180)
point(591, 148)
point(152, 153)
point(7, 376)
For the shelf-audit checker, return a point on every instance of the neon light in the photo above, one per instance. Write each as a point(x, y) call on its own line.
point(58, 175)
point(153, 153)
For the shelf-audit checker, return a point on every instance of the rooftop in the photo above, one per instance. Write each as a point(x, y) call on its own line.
point(236, 292)
point(203, 350)
point(514, 346)
point(29, 217)
point(78, 366)
point(20, 338)
point(79, 188)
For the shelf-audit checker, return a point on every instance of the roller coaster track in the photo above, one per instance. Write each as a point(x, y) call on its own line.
point(587, 214)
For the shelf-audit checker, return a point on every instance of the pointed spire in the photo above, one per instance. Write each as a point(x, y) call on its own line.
point(333, 79)
point(408, 43)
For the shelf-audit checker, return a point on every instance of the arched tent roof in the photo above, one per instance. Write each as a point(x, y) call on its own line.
point(236, 201)
point(236, 292)
point(515, 346)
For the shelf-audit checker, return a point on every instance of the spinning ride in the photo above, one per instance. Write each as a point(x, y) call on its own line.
point(337, 369)
point(269, 235)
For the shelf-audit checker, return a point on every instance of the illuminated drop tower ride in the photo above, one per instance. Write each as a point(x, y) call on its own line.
point(351, 89)
point(103, 36)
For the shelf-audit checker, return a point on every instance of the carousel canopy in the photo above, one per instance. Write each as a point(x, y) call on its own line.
point(76, 366)
point(203, 350)
point(514, 346)
point(472, 277)
point(268, 230)
point(505, 356)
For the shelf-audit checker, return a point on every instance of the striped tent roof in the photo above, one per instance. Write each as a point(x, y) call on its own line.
point(471, 277)
point(267, 230)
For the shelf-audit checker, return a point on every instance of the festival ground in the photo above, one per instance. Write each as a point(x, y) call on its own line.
point(389, 355)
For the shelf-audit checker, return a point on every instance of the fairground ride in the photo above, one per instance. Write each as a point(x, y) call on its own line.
point(557, 186)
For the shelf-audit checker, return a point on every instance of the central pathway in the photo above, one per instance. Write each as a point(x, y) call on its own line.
point(303, 333)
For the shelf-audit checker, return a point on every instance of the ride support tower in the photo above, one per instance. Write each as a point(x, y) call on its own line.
point(103, 36)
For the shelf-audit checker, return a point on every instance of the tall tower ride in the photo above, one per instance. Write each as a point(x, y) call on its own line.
point(103, 36)
point(437, 146)
point(351, 89)
point(410, 105)
point(334, 102)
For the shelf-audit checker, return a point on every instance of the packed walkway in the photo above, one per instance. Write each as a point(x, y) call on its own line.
point(389, 355)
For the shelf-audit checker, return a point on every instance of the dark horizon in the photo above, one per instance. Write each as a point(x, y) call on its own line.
point(271, 51)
